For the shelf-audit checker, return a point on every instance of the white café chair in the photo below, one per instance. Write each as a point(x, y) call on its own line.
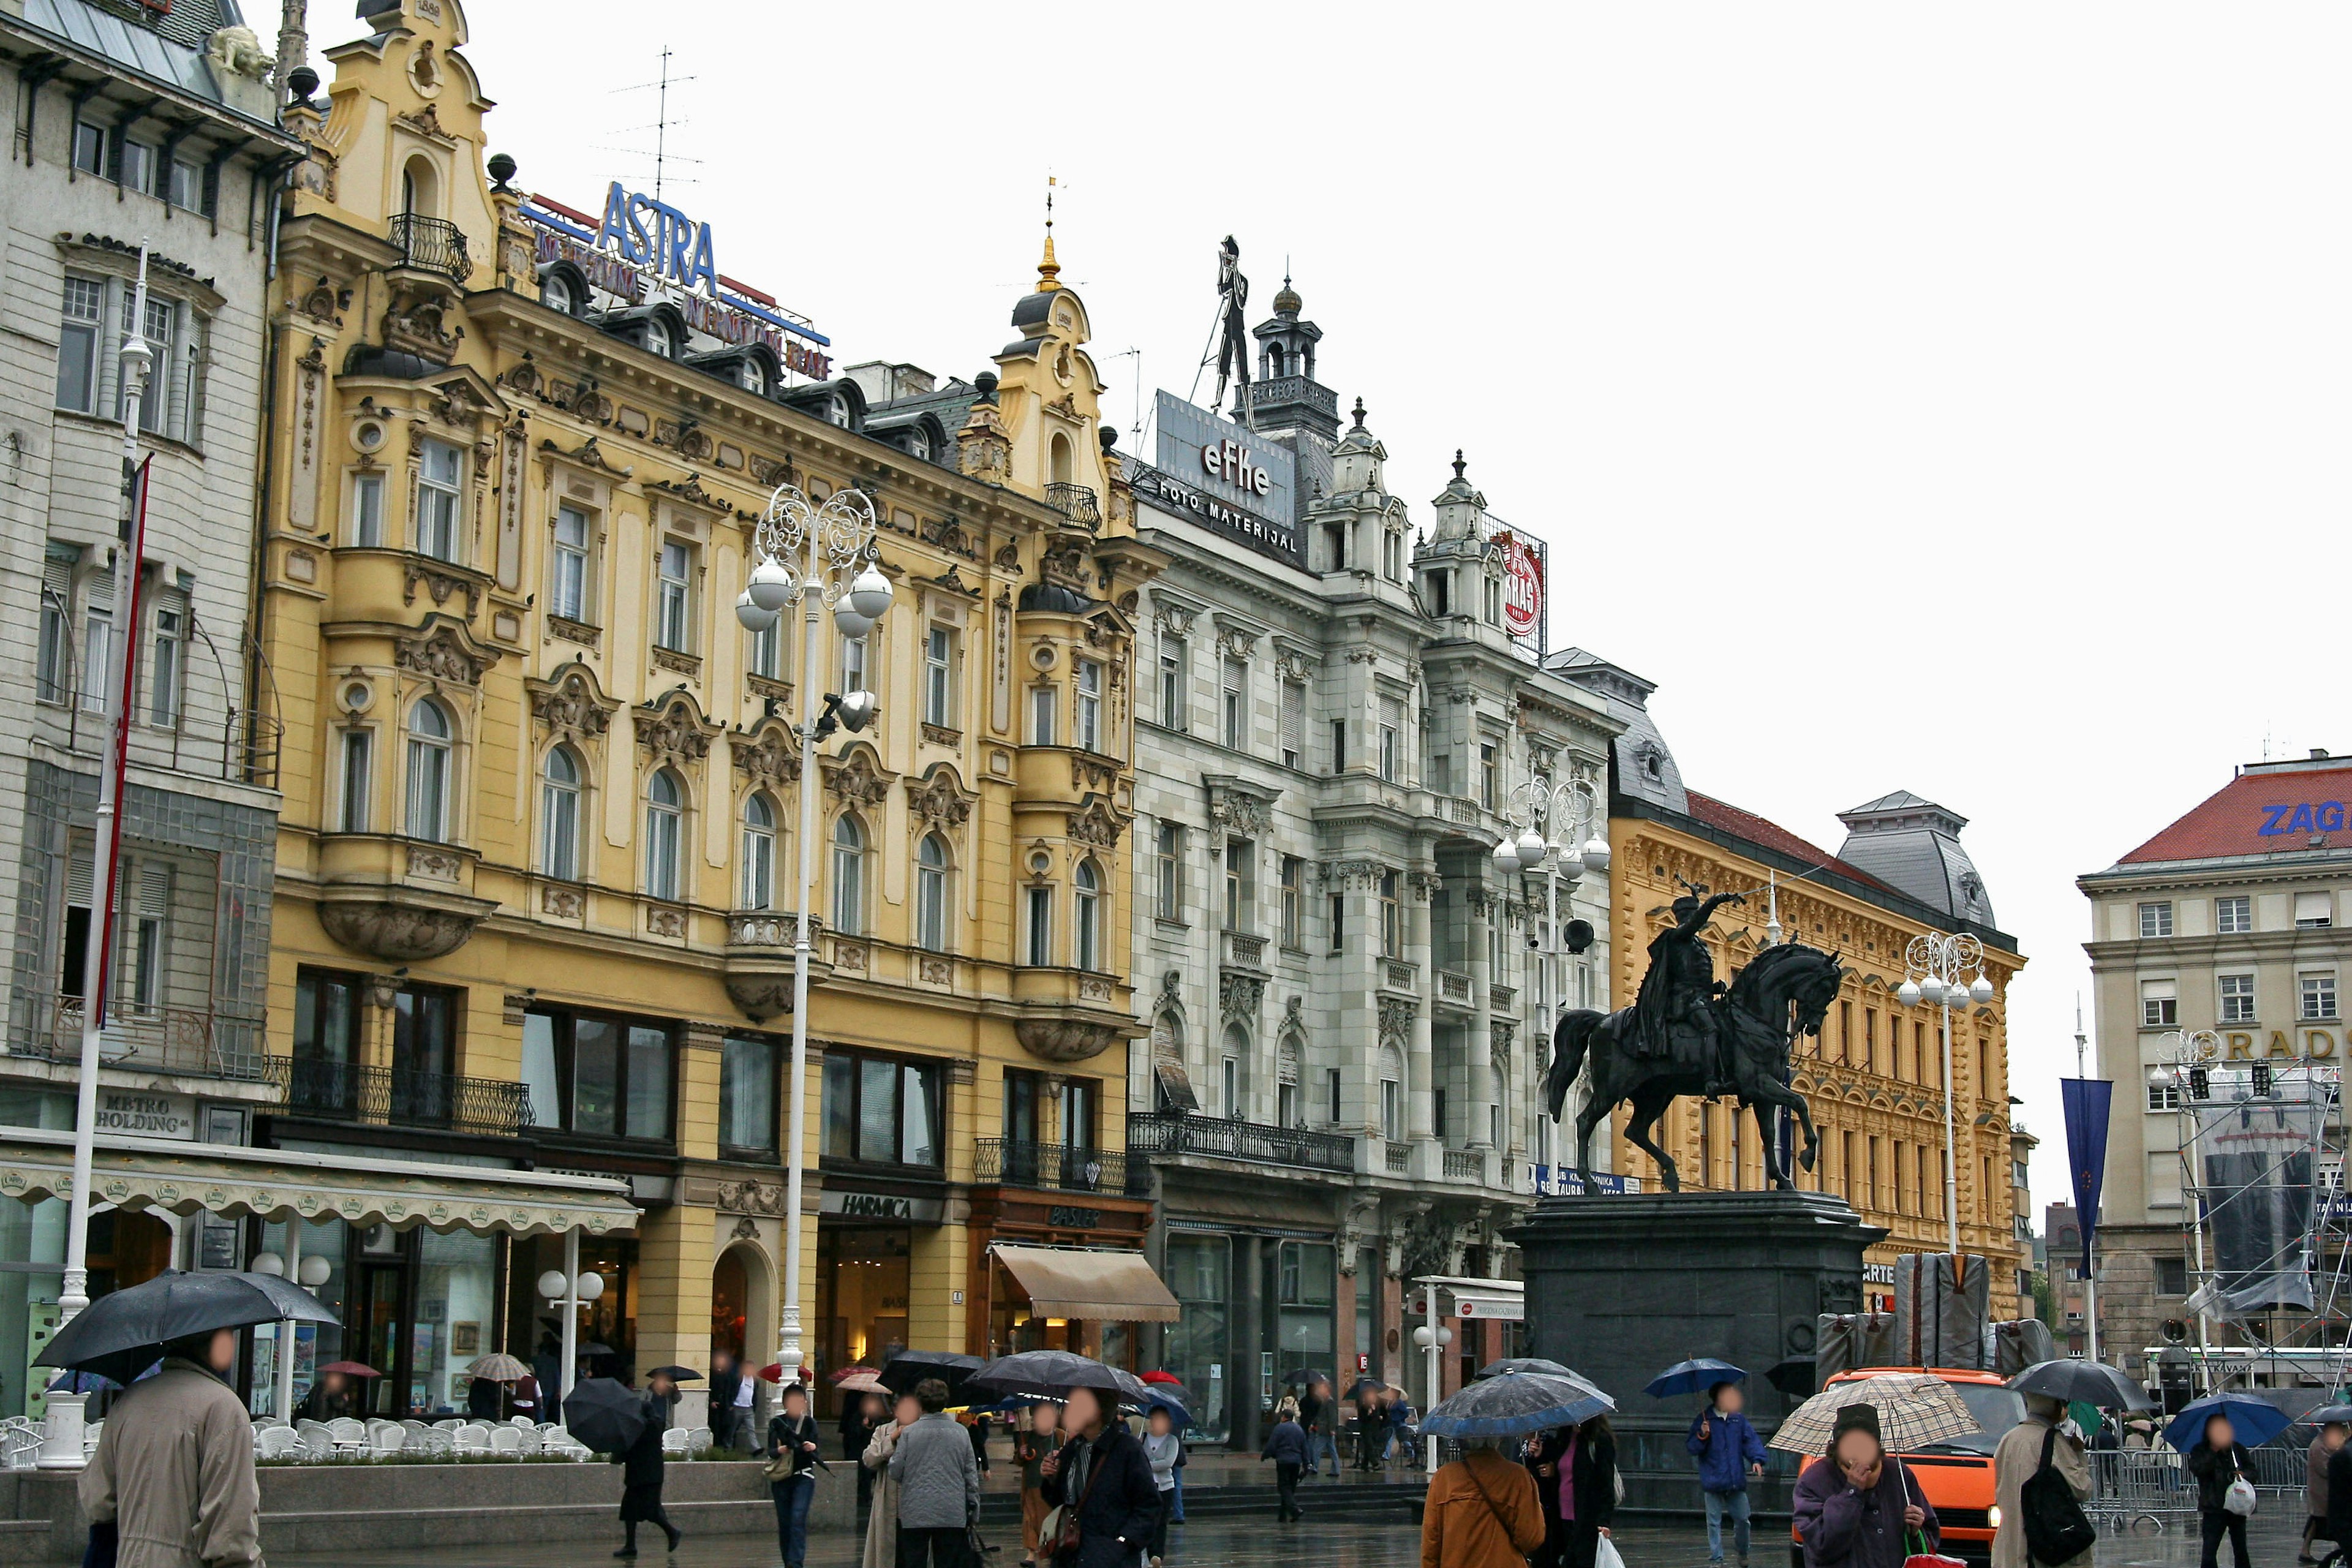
point(527, 1440)
point(89, 1436)
point(698, 1439)
point(349, 1434)
point(282, 1442)
point(524, 1421)
point(471, 1439)
point(672, 1440)
point(505, 1439)
point(386, 1437)
point(450, 1425)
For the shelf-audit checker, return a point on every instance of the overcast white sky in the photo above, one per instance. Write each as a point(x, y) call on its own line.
point(1944, 398)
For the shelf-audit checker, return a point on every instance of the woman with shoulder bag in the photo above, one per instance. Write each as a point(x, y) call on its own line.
point(882, 1522)
point(791, 1473)
point(1101, 1486)
point(1481, 1512)
point(2225, 1491)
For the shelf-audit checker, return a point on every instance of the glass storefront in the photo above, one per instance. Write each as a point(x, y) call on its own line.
point(1200, 1274)
point(416, 1306)
point(863, 1277)
point(1308, 1284)
point(315, 1345)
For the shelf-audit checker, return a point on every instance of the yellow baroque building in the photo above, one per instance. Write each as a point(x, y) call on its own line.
point(1873, 1077)
point(536, 870)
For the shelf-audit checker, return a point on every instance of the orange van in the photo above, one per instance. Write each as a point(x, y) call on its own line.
point(1956, 1475)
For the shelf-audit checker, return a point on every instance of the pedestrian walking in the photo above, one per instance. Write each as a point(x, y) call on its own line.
point(1399, 1412)
point(1286, 1446)
point(976, 1431)
point(1164, 1448)
point(1729, 1452)
point(483, 1397)
point(2018, 1460)
point(2336, 1528)
point(726, 1377)
point(1031, 1447)
point(1854, 1507)
point(882, 1523)
point(1582, 1475)
point(173, 1473)
point(641, 1468)
point(1176, 1498)
point(938, 1484)
point(791, 1473)
point(2316, 1489)
point(1101, 1471)
point(1371, 1426)
point(1481, 1512)
point(2216, 1459)
point(1316, 1412)
point(547, 1365)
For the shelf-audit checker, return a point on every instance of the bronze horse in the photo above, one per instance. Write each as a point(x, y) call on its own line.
point(1783, 993)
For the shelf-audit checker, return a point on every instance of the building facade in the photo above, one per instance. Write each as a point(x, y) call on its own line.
point(1874, 1078)
point(1346, 1030)
point(536, 866)
point(154, 125)
point(2230, 920)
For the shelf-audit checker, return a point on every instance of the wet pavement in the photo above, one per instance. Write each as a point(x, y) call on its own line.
point(1327, 1538)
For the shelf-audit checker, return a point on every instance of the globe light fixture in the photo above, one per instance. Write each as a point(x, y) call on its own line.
point(268, 1263)
point(1596, 853)
point(1980, 990)
point(551, 1285)
point(1507, 858)
point(315, 1270)
point(870, 593)
point(1909, 993)
point(771, 585)
point(749, 616)
point(1533, 849)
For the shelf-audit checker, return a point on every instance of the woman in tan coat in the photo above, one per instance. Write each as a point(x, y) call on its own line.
point(1481, 1512)
point(882, 1524)
point(173, 1470)
point(2014, 1463)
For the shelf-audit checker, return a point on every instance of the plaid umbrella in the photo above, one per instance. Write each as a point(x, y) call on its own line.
point(1915, 1409)
point(499, 1367)
point(859, 1380)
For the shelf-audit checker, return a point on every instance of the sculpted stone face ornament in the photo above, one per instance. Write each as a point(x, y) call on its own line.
point(1687, 1035)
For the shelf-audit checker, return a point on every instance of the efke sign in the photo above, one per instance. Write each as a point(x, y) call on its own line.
point(1224, 477)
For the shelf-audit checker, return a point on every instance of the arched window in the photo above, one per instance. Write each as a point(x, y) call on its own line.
point(419, 189)
point(559, 812)
point(1393, 1105)
point(428, 770)
point(758, 854)
point(665, 814)
point(848, 877)
point(1230, 1079)
point(1060, 459)
point(1086, 907)
point(555, 292)
point(931, 894)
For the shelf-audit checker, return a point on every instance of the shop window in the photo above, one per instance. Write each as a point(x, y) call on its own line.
point(747, 1095)
point(1197, 1347)
point(326, 1041)
point(881, 1110)
point(1310, 1281)
point(598, 1075)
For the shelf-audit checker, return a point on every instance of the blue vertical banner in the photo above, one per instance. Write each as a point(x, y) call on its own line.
point(2085, 1100)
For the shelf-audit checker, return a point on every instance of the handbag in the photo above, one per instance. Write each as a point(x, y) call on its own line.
point(1057, 1537)
point(2056, 1528)
point(1916, 1554)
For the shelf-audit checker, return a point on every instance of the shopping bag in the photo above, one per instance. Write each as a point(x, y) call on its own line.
point(2240, 1498)
point(1920, 1557)
point(1604, 1555)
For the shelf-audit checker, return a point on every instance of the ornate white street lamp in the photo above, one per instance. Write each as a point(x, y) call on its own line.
point(813, 555)
point(1936, 967)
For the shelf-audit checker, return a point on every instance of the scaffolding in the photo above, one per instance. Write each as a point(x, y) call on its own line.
point(2261, 1150)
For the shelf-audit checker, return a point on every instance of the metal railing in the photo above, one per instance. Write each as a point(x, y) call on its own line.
point(434, 244)
point(1052, 1168)
point(1077, 503)
point(190, 1041)
point(403, 1097)
point(1295, 389)
point(1176, 1132)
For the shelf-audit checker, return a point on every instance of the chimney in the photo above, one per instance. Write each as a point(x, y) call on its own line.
point(2318, 753)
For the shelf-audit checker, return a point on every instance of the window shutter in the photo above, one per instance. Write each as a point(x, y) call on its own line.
point(1294, 718)
point(79, 870)
point(154, 887)
point(1236, 675)
point(1393, 712)
point(57, 574)
point(2317, 907)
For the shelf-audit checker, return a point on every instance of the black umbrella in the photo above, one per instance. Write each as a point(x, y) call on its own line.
point(605, 1414)
point(2082, 1383)
point(1051, 1373)
point(903, 1370)
point(676, 1373)
point(1795, 1377)
point(2329, 1416)
point(1525, 1363)
point(1361, 1383)
point(1305, 1374)
point(121, 1334)
point(592, 1348)
point(1515, 1404)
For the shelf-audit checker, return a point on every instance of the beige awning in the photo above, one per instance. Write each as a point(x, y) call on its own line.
point(275, 1184)
point(1068, 1282)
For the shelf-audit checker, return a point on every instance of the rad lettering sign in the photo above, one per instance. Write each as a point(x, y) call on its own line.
point(653, 234)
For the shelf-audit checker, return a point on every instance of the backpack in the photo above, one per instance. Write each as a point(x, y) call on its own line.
point(2056, 1530)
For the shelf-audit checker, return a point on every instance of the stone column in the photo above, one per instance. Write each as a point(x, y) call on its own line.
point(1478, 1080)
point(1420, 1061)
point(1244, 1332)
point(701, 1055)
point(675, 1255)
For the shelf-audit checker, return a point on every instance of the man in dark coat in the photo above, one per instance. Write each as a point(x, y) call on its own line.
point(1543, 1463)
point(726, 1377)
point(1103, 1471)
point(2337, 1527)
point(641, 1470)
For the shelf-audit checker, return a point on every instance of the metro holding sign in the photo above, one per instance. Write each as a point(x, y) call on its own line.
point(1523, 585)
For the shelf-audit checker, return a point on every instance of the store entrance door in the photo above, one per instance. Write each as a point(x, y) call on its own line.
point(863, 1278)
point(380, 1293)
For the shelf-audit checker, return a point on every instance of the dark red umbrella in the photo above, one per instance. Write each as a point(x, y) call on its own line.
point(351, 1369)
point(774, 1372)
point(1170, 1378)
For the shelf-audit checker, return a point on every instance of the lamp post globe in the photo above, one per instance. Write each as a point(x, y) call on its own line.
point(870, 593)
point(852, 624)
point(1980, 990)
point(1507, 857)
point(551, 1285)
point(1532, 848)
point(771, 584)
point(1596, 853)
point(750, 616)
point(1909, 993)
point(1931, 991)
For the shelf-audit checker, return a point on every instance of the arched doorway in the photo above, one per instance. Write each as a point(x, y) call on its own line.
point(126, 1249)
point(730, 1304)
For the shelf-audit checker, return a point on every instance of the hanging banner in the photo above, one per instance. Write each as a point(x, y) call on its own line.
point(2086, 1101)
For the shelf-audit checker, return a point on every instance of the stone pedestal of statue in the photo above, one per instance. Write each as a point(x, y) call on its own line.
point(1622, 1286)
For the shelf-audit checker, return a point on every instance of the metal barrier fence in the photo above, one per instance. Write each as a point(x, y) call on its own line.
point(2152, 1486)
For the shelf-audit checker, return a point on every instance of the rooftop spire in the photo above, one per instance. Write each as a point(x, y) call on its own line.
point(1049, 269)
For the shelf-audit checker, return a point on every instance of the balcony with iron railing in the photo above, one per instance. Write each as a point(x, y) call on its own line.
point(186, 1042)
point(432, 245)
point(1053, 1168)
point(1077, 503)
point(406, 1097)
point(1176, 1132)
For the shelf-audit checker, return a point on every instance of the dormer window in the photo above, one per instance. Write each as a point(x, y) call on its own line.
point(555, 292)
point(657, 338)
point(753, 375)
point(837, 411)
point(919, 444)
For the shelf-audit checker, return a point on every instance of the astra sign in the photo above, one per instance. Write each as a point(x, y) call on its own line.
point(657, 237)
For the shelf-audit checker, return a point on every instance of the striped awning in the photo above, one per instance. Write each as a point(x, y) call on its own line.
point(278, 1184)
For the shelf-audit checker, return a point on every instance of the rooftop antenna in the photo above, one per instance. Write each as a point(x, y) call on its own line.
point(662, 122)
point(1136, 429)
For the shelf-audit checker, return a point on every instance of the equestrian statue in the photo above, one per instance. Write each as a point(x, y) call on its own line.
point(1687, 1034)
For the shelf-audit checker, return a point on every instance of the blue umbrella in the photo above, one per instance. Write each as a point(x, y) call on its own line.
point(1693, 1377)
point(1162, 1400)
point(1515, 1404)
point(81, 1383)
point(2255, 1421)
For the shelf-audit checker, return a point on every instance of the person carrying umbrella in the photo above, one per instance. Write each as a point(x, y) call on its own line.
point(791, 1473)
point(642, 1464)
point(173, 1473)
point(331, 1398)
point(2316, 1491)
point(882, 1522)
point(2019, 1457)
point(1102, 1473)
point(1481, 1512)
point(1729, 1452)
point(2217, 1460)
point(1854, 1507)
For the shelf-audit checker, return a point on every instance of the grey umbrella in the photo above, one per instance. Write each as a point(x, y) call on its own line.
point(1525, 1363)
point(2082, 1383)
point(121, 1334)
point(605, 1414)
point(1051, 1373)
point(1516, 1404)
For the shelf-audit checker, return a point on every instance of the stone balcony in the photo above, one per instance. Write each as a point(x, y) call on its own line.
point(398, 899)
point(758, 960)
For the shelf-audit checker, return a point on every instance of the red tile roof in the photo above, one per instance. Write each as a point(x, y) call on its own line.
point(2258, 813)
point(1772, 836)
